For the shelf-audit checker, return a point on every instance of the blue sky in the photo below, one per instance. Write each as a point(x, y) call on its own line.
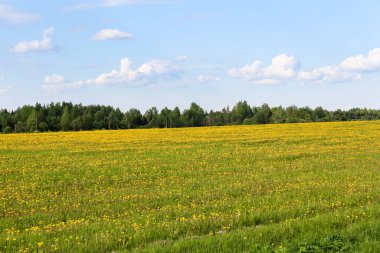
point(142, 53)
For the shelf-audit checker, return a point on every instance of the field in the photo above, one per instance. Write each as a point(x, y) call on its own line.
point(267, 188)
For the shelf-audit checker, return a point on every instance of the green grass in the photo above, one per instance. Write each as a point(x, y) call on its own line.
point(271, 188)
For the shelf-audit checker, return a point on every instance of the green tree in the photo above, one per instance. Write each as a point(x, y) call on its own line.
point(7, 130)
point(31, 122)
point(52, 118)
point(291, 114)
point(119, 119)
point(194, 117)
point(175, 118)
point(263, 115)
point(133, 118)
point(320, 114)
point(87, 120)
point(164, 118)
point(20, 127)
point(240, 112)
point(43, 127)
point(278, 115)
point(76, 123)
point(339, 115)
point(65, 119)
point(6, 119)
point(151, 116)
point(100, 120)
point(305, 114)
point(112, 120)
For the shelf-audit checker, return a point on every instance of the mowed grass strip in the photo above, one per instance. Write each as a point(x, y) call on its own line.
point(264, 188)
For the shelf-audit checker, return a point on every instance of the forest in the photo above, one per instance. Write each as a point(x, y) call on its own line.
point(67, 116)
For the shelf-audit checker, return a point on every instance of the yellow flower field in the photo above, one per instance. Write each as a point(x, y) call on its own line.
point(263, 188)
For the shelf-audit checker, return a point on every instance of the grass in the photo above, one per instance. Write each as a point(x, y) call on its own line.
point(269, 188)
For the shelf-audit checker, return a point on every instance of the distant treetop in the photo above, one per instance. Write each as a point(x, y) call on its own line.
point(76, 117)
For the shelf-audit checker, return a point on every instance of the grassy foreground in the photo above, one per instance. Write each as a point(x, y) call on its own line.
point(269, 188)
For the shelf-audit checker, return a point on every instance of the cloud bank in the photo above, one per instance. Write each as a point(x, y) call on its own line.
point(149, 72)
point(285, 68)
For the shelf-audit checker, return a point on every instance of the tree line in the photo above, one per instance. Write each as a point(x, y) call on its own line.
point(66, 116)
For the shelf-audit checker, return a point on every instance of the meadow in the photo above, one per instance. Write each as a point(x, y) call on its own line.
point(312, 187)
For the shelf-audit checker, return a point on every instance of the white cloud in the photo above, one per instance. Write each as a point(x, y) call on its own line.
point(54, 83)
point(45, 44)
point(13, 16)
point(247, 72)
point(371, 62)
point(329, 74)
point(283, 67)
point(2, 77)
point(350, 69)
point(112, 34)
point(54, 79)
point(149, 72)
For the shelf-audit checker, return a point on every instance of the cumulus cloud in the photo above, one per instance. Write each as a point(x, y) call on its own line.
point(45, 44)
point(370, 62)
point(149, 72)
point(112, 34)
point(283, 67)
point(329, 74)
point(10, 15)
point(350, 69)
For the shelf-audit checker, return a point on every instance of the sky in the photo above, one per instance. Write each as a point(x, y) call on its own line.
point(143, 53)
